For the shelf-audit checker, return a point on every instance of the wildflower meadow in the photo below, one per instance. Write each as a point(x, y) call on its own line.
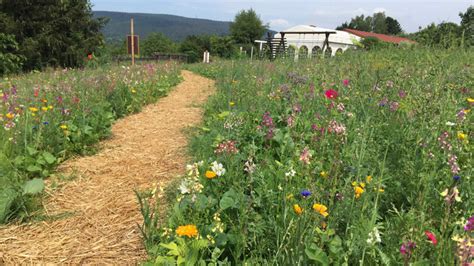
point(48, 117)
point(364, 158)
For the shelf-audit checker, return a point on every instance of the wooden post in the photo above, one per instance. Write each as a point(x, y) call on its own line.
point(132, 41)
point(251, 54)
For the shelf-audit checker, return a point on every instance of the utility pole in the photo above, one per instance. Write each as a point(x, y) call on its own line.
point(132, 41)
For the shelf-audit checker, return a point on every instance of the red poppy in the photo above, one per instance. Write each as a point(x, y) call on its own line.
point(431, 237)
point(331, 94)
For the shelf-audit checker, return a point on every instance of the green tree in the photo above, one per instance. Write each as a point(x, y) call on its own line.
point(393, 26)
point(58, 33)
point(247, 27)
point(194, 47)
point(223, 46)
point(467, 25)
point(379, 24)
point(10, 60)
point(157, 43)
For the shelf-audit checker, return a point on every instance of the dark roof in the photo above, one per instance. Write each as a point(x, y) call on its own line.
point(382, 37)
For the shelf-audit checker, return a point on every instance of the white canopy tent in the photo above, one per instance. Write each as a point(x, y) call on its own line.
point(303, 41)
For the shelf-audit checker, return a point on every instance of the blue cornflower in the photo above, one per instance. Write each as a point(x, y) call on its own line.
point(305, 193)
point(45, 123)
point(456, 178)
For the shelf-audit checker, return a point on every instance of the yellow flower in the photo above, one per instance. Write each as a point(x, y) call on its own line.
point(362, 185)
point(44, 109)
point(290, 196)
point(134, 91)
point(63, 127)
point(210, 174)
point(189, 230)
point(33, 109)
point(470, 100)
point(462, 136)
point(368, 179)
point(321, 209)
point(358, 191)
point(50, 107)
point(324, 174)
point(297, 208)
point(354, 184)
point(231, 103)
point(10, 116)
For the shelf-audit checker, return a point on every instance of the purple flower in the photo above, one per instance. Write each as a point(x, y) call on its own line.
point(456, 178)
point(394, 106)
point(305, 193)
point(383, 102)
point(470, 224)
point(402, 94)
point(407, 248)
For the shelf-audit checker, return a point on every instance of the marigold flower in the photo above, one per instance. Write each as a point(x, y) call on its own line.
point(358, 191)
point(321, 209)
point(297, 208)
point(33, 109)
point(189, 230)
point(210, 174)
point(10, 116)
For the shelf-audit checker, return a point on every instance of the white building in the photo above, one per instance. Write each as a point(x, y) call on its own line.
point(304, 42)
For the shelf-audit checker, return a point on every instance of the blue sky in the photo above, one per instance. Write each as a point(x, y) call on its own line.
point(283, 14)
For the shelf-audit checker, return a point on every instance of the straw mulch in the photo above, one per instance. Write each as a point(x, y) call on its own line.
point(99, 206)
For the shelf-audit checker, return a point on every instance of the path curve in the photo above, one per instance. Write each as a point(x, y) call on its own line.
point(145, 148)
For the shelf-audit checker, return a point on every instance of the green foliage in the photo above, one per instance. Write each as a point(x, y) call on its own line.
point(40, 128)
point(375, 158)
point(223, 47)
point(54, 33)
point(371, 43)
point(194, 47)
point(10, 60)
point(378, 23)
point(157, 43)
point(247, 27)
point(467, 25)
point(443, 35)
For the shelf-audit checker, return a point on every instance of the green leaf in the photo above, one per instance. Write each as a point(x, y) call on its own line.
point(227, 202)
point(223, 114)
point(33, 186)
point(316, 254)
point(31, 151)
point(49, 158)
point(172, 247)
point(7, 197)
point(33, 168)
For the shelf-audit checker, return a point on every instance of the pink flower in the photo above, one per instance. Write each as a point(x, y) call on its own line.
point(345, 82)
point(431, 237)
point(305, 156)
point(331, 94)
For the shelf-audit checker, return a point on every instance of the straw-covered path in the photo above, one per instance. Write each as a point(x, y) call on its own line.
point(145, 149)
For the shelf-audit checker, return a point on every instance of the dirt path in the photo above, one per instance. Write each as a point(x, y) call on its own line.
point(146, 148)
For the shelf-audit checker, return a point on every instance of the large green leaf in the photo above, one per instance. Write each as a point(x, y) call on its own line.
point(49, 158)
point(316, 254)
point(7, 197)
point(33, 186)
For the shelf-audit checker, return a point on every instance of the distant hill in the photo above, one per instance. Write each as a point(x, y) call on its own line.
point(175, 27)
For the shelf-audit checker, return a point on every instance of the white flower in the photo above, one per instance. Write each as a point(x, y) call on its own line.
point(183, 188)
point(450, 124)
point(374, 237)
point(290, 173)
point(218, 168)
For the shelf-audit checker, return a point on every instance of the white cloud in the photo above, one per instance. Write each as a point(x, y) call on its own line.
point(278, 23)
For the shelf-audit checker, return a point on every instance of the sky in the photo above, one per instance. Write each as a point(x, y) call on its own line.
point(281, 14)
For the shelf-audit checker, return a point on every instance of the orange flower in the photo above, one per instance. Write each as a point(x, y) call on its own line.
point(297, 208)
point(321, 209)
point(189, 230)
point(210, 174)
point(10, 116)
